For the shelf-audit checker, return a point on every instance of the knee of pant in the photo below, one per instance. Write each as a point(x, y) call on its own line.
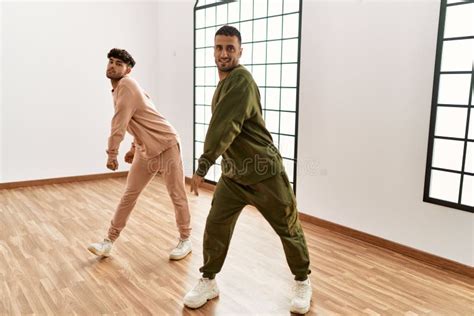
point(293, 225)
point(292, 230)
point(130, 197)
point(175, 196)
point(215, 222)
point(288, 230)
point(214, 245)
point(211, 223)
point(216, 232)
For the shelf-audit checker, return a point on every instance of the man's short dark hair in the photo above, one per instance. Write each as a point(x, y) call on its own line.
point(228, 30)
point(123, 55)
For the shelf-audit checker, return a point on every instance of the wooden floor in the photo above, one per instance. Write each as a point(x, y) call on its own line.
point(45, 267)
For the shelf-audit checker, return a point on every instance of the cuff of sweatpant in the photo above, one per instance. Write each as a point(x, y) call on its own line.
point(302, 276)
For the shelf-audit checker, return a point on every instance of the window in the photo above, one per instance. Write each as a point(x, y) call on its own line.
point(450, 164)
point(270, 32)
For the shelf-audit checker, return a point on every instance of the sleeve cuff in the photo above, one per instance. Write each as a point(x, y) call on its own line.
point(112, 154)
point(203, 167)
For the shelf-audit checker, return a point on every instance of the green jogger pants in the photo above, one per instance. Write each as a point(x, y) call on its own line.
point(275, 200)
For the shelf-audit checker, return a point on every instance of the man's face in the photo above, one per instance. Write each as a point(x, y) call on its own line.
point(227, 52)
point(116, 69)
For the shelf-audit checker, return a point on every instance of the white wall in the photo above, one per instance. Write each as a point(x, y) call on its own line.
point(175, 70)
point(366, 82)
point(56, 102)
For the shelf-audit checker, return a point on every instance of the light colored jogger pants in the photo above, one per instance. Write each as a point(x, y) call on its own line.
point(169, 163)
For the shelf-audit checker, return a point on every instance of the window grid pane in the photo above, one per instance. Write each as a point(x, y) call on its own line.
point(450, 165)
point(270, 42)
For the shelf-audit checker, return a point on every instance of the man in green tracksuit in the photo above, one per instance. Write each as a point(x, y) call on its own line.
point(252, 173)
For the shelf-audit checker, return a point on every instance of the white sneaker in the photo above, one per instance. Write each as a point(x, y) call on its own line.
point(302, 293)
point(183, 248)
point(101, 248)
point(204, 291)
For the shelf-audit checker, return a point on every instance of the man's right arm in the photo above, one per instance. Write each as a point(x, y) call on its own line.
point(124, 110)
point(232, 110)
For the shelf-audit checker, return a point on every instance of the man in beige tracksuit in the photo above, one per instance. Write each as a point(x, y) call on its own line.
point(155, 149)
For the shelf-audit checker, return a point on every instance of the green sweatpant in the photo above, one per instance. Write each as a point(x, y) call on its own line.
point(275, 200)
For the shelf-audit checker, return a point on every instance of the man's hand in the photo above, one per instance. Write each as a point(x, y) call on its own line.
point(195, 183)
point(112, 164)
point(129, 156)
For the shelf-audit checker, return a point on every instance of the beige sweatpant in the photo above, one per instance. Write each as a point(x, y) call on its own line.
point(170, 165)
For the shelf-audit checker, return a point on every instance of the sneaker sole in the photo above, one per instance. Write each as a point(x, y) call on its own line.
point(300, 311)
point(95, 252)
point(180, 257)
point(202, 304)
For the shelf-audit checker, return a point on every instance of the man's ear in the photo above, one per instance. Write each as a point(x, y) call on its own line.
point(128, 70)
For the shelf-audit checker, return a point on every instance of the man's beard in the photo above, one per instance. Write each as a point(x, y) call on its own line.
point(225, 69)
point(113, 76)
point(229, 66)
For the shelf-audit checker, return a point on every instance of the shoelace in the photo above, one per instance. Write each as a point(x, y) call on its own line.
point(180, 244)
point(202, 284)
point(300, 290)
